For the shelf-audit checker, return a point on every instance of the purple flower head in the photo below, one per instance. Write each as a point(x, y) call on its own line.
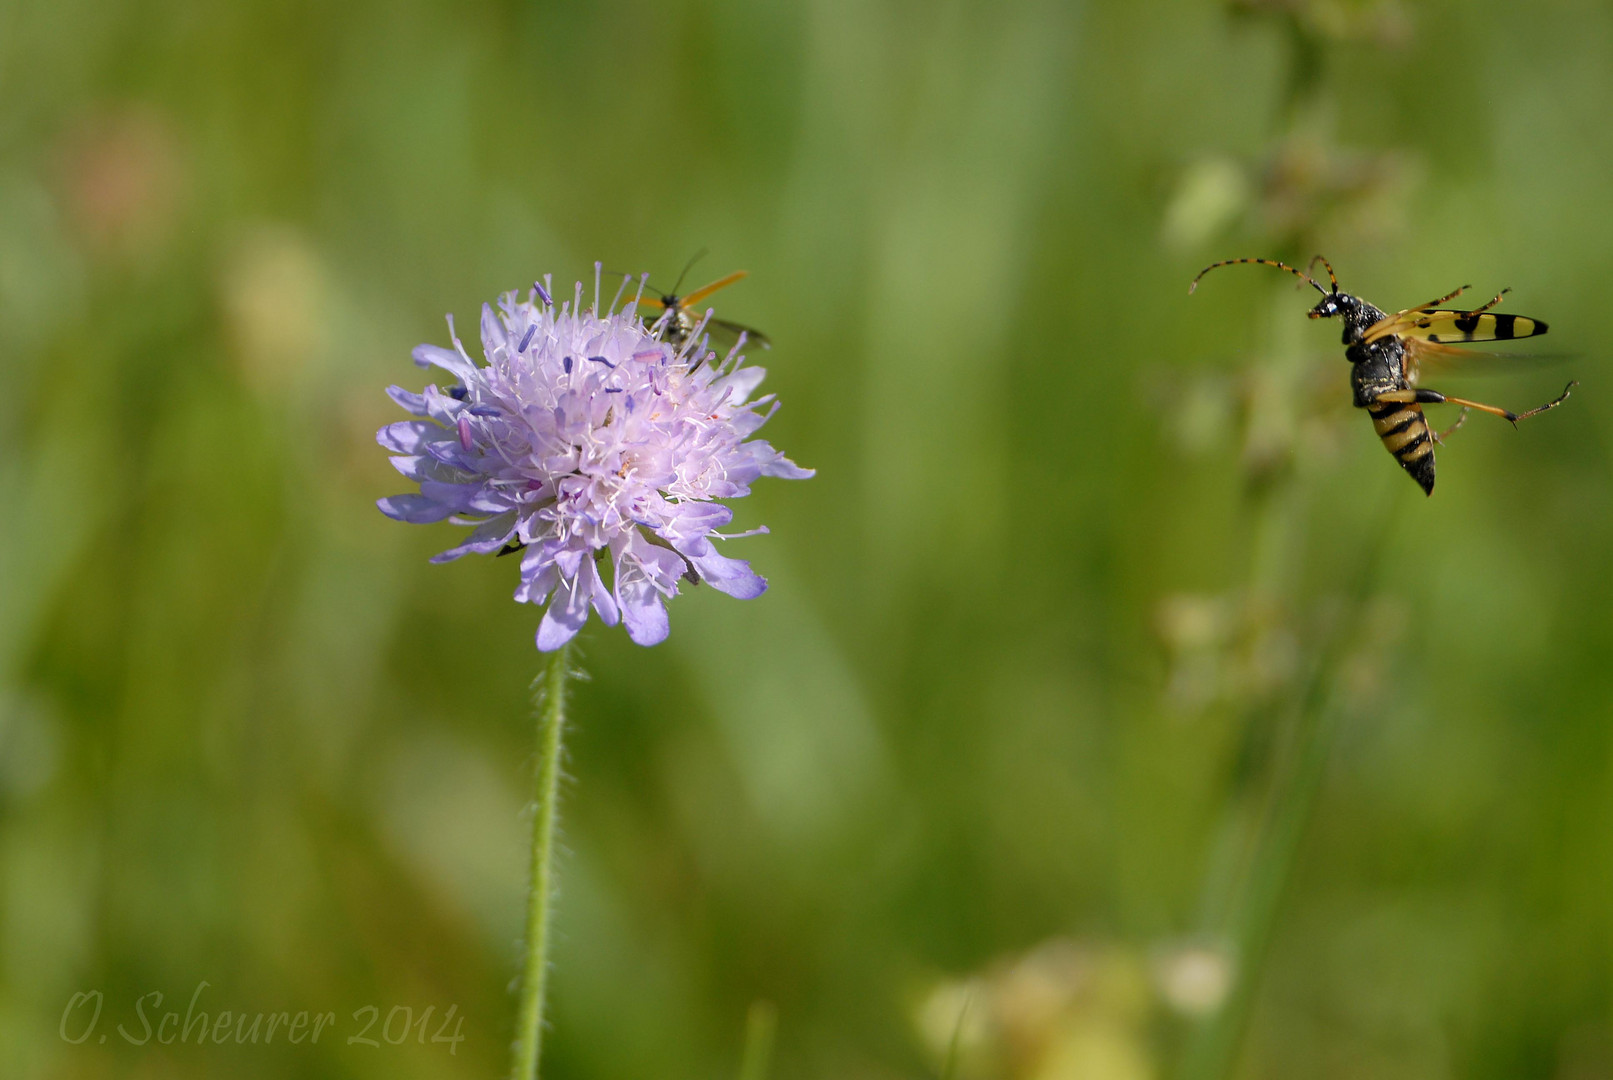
point(589, 442)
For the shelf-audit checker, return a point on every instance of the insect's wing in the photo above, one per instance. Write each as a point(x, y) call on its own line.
point(1444, 327)
point(731, 330)
point(722, 331)
point(1420, 352)
point(1399, 324)
point(721, 283)
point(1450, 359)
point(723, 335)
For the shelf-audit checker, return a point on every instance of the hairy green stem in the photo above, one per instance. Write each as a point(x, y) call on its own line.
point(551, 710)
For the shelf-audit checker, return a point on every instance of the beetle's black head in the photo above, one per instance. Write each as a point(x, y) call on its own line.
point(1358, 315)
point(1332, 304)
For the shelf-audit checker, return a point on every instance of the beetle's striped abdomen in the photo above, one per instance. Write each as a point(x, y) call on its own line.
point(1405, 434)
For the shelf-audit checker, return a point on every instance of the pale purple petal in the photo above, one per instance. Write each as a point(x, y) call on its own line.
point(493, 335)
point(539, 576)
point(443, 408)
point(731, 576)
point(782, 468)
point(598, 595)
point(415, 509)
point(419, 467)
point(459, 498)
point(741, 383)
point(644, 614)
point(486, 538)
point(410, 402)
point(410, 436)
point(645, 573)
point(449, 452)
point(690, 520)
point(569, 560)
point(769, 462)
point(749, 420)
point(566, 614)
point(447, 359)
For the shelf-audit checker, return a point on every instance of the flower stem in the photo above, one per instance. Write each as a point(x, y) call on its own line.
point(551, 710)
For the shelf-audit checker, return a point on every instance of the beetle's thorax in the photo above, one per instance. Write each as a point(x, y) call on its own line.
point(1360, 318)
point(1358, 315)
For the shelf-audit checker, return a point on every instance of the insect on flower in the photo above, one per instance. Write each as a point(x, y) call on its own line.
point(1387, 351)
point(596, 448)
point(678, 319)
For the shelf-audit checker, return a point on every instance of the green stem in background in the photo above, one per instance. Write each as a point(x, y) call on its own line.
point(551, 709)
point(1212, 1051)
point(761, 1024)
point(949, 1067)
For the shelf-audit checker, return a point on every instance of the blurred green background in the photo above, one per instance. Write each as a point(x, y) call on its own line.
point(1118, 709)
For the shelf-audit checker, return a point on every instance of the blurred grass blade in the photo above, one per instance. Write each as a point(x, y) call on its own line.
point(1212, 1052)
point(761, 1024)
point(949, 1067)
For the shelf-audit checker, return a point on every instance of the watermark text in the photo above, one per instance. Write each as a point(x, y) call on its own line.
point(146, 1022)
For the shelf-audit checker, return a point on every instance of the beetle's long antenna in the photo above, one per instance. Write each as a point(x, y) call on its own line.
point(686, 268)
point(1269, 262)
point(1330, 275)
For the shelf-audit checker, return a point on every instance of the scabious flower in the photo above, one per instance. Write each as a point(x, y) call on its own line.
point(587, 441)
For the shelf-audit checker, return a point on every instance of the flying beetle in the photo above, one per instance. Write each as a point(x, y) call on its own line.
point(1386, 351)
point(680, 319)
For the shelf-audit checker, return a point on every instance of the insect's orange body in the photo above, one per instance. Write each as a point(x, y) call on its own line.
point(679, 318)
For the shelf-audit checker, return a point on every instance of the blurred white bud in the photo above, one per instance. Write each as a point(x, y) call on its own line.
point(1194, 979)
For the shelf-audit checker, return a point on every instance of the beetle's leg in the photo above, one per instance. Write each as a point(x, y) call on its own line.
point(1447, 298)
point(1448, 432)
point(1434, 397)
point(1491, 304)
